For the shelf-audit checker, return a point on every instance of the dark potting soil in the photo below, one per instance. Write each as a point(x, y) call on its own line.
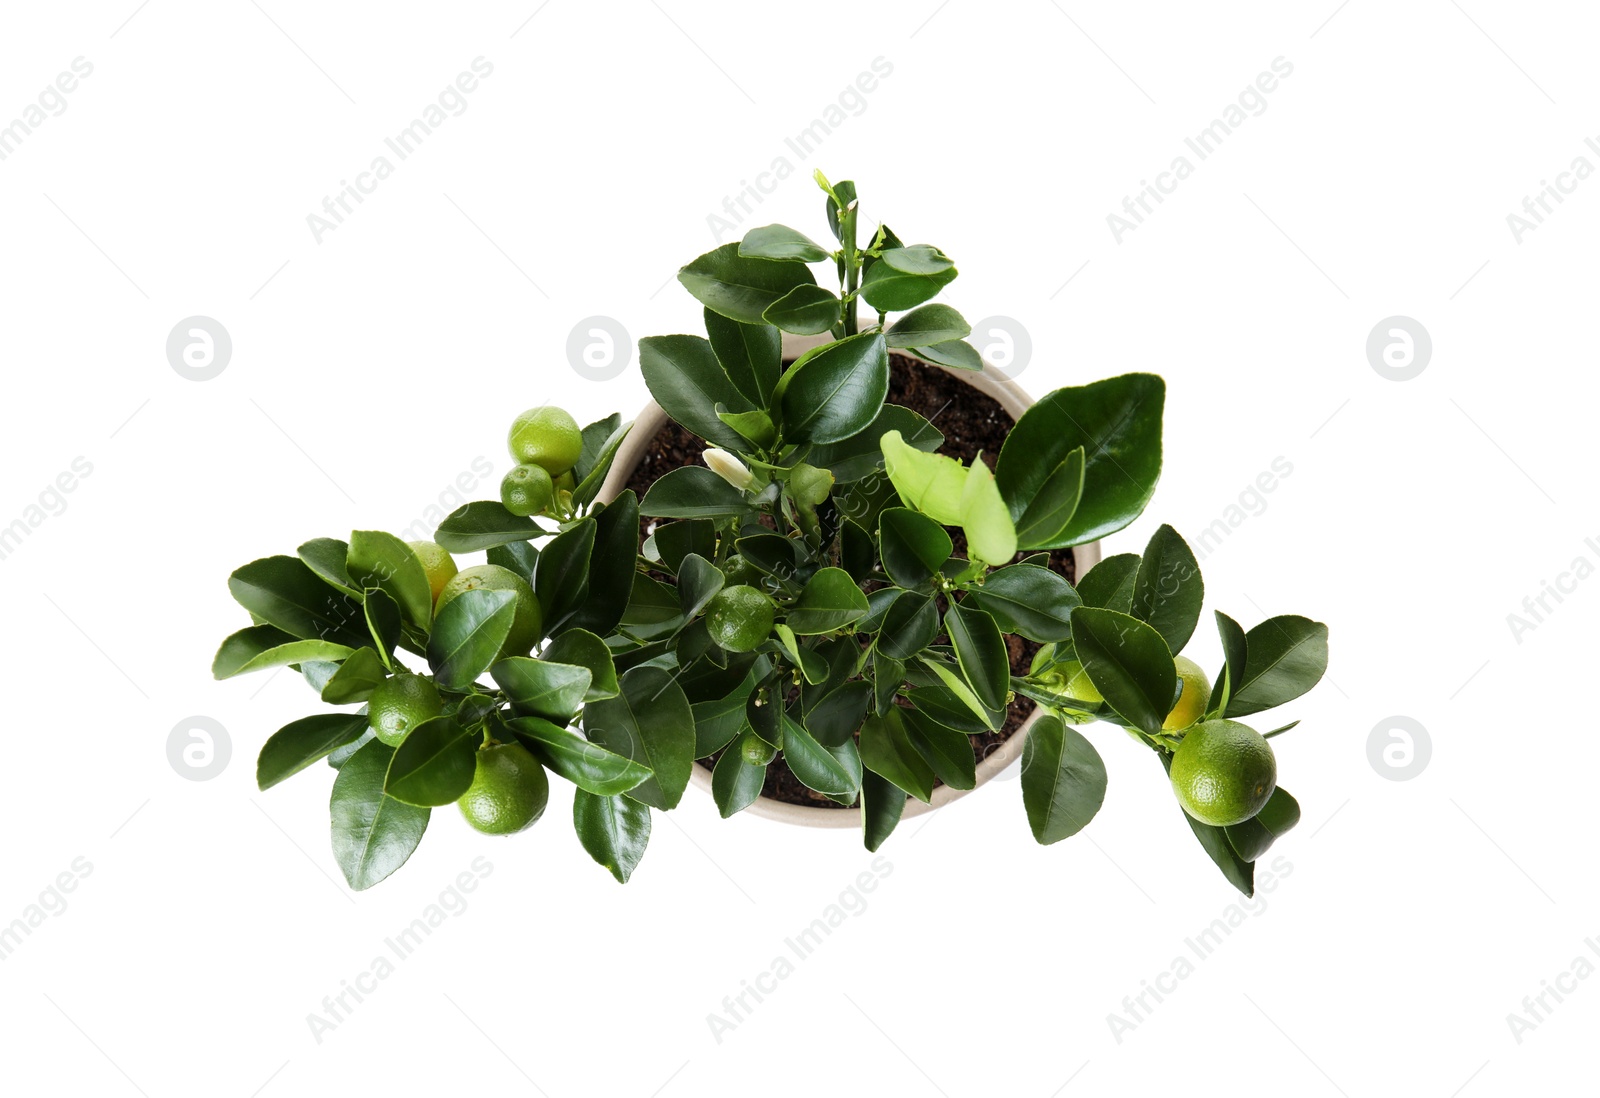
point(972, 423)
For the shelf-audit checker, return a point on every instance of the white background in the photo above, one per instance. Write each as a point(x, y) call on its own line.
point(1409, 918)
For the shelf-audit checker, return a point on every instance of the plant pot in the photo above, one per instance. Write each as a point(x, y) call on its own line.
point(992, 383)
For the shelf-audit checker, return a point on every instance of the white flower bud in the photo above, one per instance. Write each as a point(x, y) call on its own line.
point(729, 468)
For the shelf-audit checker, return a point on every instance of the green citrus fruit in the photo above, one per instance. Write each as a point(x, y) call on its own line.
point(546, 436)
point(527, 490)
point(1223, 772)
point(401, 703)
point(528, 620)
point(1191, 704)
point(739, 618)
point(508, 792)
point(755, 750)
point(438, 564)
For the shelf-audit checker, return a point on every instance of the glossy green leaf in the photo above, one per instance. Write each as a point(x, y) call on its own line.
point(1256, 835)
point(914, 547)
point(1285, 657)
point(836, 716)
point(981, 651)
point(1214, 841)
point(832, 770)
point(812, 666)
point(830, 600)
point(991, 535)
point(750, 354)
point(931, 483)
point(923, 259)
point(676, 540)
point(735, 782)
point(326, 557)
point(467, 635)
point(614, 830)
point(886, 750)
point(718, 721)
point(781, 242)
point(373, 833)
point(699, 581)
point(1117, 422)
point(909, 626)
point(687, 380)
point(262, 646)
point(756, 427)
point(586, 765)
point(590, 482)
point(889, 290)
point(434, 765)
point(381, 560)
point(947, 751)
point(804, 310)
point(597, 438)
point(357, 677)
point(611, 568)
point(928, 324)
point(1168, 590)
point(300, 743)
point(693, 492)
point(384, 620)
point(739, 287)
point(958, 688)
point(482, 525)
point(516, 556)
point(561, 581)
point(957, 354)
point(542, 688)
point(882, 805)
point(283, 591)
point(1022, 598)
point(1128, 663)
point(837, 391)
point(1045, 516)
point(584, 649)
point(650, 603)
point(649, 722)
point(1109, 584)
point(861, 456)
point(1234, 652)
point(1063, 779)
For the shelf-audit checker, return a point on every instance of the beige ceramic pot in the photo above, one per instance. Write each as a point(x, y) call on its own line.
point(991, 383)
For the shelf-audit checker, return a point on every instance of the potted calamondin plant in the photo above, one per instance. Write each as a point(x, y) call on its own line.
point(834, 576)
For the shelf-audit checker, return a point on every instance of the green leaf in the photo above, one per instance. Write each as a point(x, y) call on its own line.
point(857, 554)
point(597, 438)
point(686, 379)
point(693, 492)
point(483, 525)
point(262, 646)
point(932, 483)
point(373, 833)
point(1234, 651)
point(326, 557)
point(300, 743)
point(433, 766)
point(341, 754)
point(516, 556)
point(781, 242)
point(467, 635)
point(735, 782)
point(981, 651)
point(562, 579)
point(699, 581)
point(756, 427)
point(991, 535)
point(718, 721)
point(1117, 422)
point(914, 547)
point(1026, 599)
point(882, 805)
point(541, 688)
point(285, 592)
point(614, 830)
point(909, 626)
point(1109, 584)
point(676, 540)
point(611, 568)
point(830, 600)
point(957, 354)
point(1214, 841)
point(649, 722)
point(586, 765)
point(929, 324)
point(750, 354)
point(812, 666)
point(1168, 590)
point(739, 287)
point(860, 456)
point(835, 771)
point(1045, 516)
point(650, 603)
point(383, 619)
point(835, 717)
point(889, 290)
point(581, 648)
point(1063, 779)
point(381, 560)
point(357, 677)
point(837, 391)
point(589, 483)
point(1128, 663)
point(1256, 835)
point(923, 259)
point(886, 750)
point(804, 310)
point(947, 751)
point(958, 689)
point(1285, 657)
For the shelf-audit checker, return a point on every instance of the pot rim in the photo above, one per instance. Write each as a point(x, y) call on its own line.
point(991, 382)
